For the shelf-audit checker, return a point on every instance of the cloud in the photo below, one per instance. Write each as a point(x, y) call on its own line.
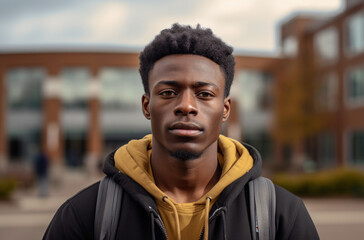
point(107, 21)
point(244, 24)
point(94, 23)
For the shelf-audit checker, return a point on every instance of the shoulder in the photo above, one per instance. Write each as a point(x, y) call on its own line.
point(288, 205)
point(86, 198)
point(292, 218)
point(285, 197)
point(83, 205)
point(75, 218)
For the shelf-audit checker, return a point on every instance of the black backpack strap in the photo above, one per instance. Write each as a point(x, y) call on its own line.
point(108, 208)
point(262, 208)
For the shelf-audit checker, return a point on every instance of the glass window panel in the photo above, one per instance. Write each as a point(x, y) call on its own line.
point(357, 147)
point(24, 88)
point(262, 141)
point(256, 88)
point(355, 86)
point(121, 89)
point(327, 149)
point(290, 46)
point(355, 34)
point(326, 45)
point(75, 148)
point(327, 95)
point(74, 84)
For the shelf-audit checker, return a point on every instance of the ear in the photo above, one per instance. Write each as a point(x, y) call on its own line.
point(227, 104)
point(145, 106)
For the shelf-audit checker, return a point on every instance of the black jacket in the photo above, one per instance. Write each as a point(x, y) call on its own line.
point(139, 218)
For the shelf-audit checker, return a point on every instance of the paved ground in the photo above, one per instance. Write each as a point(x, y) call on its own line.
point(27, 216)
point(338, 218)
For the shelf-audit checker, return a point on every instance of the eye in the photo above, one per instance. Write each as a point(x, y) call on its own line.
point(167, 93)
point(205, 94)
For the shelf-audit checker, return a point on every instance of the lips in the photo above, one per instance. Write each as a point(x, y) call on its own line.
point(185, 129)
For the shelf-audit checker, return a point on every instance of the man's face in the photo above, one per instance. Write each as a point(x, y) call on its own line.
point(186, 104)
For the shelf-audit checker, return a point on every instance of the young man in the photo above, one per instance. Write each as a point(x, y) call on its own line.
point(185, 181)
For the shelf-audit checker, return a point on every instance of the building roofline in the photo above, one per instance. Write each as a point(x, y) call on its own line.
point(321, 18)
point(67, 48)
point(87, 48)
point(339, 14)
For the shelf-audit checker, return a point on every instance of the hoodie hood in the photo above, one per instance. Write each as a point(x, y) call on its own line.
point(235, 160)
point(133, 160)
point(111, 170)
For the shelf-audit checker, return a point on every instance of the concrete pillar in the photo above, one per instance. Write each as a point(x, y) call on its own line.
point(51, 136)
point(3, 141)
point(94, 135)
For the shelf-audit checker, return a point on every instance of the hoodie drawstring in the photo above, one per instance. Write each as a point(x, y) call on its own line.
point(165, 199)
point(207, 210)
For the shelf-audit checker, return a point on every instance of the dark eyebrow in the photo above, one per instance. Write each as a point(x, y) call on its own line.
point(176, 83)
point(202, 84)
point(169, 82)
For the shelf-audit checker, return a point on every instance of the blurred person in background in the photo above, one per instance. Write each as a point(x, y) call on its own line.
point(41, 171)
point(185, 180)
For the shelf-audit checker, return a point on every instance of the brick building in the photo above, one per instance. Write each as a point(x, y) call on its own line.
point(330, 52)
point(79, 104)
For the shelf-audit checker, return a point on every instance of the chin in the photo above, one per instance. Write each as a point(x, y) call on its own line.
point(185, 155)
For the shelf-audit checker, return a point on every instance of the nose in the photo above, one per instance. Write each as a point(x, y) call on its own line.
point(186, 104)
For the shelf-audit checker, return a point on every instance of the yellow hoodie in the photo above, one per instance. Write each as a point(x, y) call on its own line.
point(182, 220)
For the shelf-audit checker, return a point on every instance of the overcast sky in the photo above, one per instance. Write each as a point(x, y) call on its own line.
point(247, 25)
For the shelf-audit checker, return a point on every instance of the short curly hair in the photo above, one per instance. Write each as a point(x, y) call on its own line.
point(181, 39)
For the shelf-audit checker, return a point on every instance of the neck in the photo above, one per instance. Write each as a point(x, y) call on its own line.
point(185, 180)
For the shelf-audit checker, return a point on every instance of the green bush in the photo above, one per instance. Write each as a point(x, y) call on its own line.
point(7, 186)
point(338, 182)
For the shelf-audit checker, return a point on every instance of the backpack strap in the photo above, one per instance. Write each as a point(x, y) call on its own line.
point(108, 208)
point(262, 208)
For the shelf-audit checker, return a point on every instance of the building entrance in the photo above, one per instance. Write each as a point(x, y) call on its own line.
point(75, 149)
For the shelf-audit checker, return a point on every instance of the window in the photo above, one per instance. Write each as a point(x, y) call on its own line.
point(290, 47)
point(356, 147)
point(254, 90)
point(24, 88)
point(262, 141)
point(326, 45)
point(354, 30)
point(355, 87)
point(23, 146)
point(326, 149)
point(75, 84)
point(23, 116)
point(254, 97)
point(121, 115)
point(121, 89)
point(74, 148)
point(327, 95)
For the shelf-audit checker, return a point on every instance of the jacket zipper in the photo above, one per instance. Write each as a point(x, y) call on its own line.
point(163, 227)
point(164, 230)
point(210, 218)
